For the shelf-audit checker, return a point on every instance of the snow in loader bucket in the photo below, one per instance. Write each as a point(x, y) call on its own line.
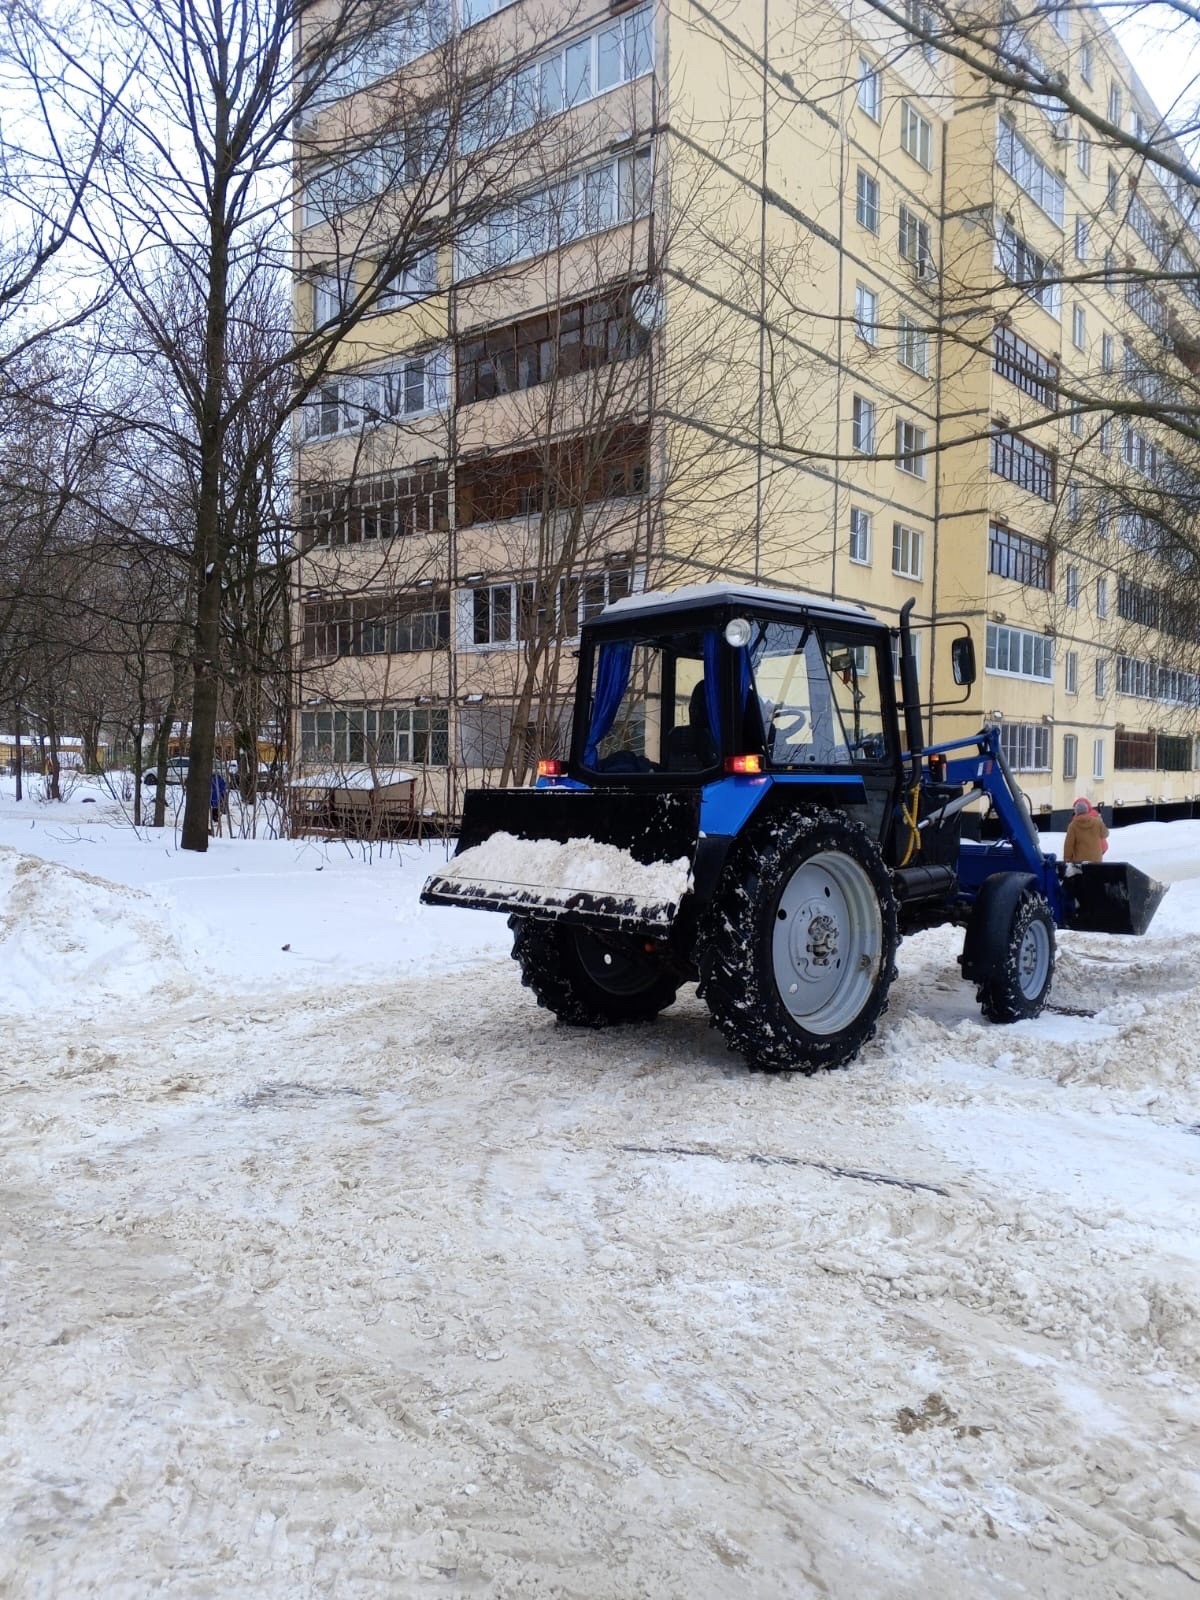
point(611, 860)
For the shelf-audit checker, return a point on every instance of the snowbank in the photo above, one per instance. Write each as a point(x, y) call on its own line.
point(70, 941)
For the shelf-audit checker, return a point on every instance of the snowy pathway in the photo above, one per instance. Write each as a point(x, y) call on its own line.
point(397, 1288)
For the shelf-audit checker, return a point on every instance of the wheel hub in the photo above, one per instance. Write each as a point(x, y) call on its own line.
point(822, 940)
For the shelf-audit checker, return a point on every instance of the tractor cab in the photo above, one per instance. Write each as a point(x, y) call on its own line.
point(713, 682)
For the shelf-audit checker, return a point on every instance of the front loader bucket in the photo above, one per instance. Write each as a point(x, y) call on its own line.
point(609, 859)
point(1111, 897)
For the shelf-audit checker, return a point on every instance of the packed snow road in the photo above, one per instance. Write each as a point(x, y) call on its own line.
point(391, 1288)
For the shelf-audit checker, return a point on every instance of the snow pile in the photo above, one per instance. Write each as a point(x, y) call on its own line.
point(579, 866)
point(68, 938)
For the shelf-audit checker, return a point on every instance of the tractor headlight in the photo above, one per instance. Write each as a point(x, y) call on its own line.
point(738, 632)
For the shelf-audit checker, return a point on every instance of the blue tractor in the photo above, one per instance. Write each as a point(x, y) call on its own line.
point(747, 805)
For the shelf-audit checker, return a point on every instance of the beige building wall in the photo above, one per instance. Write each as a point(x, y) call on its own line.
point(831, 236)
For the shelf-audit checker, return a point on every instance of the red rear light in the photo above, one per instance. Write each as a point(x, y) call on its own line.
point(743, 764)
point(550, 769)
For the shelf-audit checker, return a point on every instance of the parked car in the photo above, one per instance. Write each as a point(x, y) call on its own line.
point(177, 771)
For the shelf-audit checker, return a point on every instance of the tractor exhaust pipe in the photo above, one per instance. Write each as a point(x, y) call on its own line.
point(910, 689)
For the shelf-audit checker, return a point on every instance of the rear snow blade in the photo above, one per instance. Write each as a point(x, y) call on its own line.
point(1112, 897)
point(614, 860)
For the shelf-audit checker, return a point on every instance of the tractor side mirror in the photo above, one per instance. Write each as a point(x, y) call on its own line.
point(962, 661)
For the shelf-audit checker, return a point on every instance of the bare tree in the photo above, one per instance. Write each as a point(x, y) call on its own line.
point(189, 214)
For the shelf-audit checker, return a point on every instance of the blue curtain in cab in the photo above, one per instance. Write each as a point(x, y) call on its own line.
point(712, 682)
point(612, 680)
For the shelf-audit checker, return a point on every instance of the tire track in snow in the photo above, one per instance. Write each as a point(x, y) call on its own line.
point(359, 1293)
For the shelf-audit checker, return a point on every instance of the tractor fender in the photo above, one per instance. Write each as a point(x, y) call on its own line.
point(986, 944)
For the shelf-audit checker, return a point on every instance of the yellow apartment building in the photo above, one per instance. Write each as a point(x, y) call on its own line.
point(765, 293)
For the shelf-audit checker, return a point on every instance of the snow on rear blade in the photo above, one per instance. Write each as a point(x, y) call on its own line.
point(597, 882)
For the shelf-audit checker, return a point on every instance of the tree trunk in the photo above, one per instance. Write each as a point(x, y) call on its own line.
point(162, 746)
point(206, 694)
point(55, 764)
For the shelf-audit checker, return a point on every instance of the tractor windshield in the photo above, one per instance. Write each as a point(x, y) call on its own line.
point(655, 704)
point(819, 695)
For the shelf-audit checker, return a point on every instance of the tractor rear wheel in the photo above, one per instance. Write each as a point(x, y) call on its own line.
point(798, 950)
point(1020, 985)
point(587, 980)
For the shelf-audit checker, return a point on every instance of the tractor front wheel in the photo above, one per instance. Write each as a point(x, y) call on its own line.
point(1020, 984)
point(798, 951)
point(587, 980)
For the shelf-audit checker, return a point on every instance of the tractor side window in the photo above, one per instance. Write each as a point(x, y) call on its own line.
point(853, 670)
point(652, 705)
point(802, 721)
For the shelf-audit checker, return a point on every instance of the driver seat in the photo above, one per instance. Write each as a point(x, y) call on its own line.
point(692, 748)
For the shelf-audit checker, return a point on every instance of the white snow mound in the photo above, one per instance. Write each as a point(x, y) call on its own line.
point(68, 938)
point(580, 866)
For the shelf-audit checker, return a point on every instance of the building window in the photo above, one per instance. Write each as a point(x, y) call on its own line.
point(910, 443)
point(618, 190)
point(387, 506)
point(1112, 189)
point(1139, 452)
point(1032, 372)
point(364, 735)
point(1076, 424)
point(866, 205)
point(866, 314)
point(1017, 557)
point(1107, 352)
point(862, 432)
point(1078, 327)
point(916, 650)
point(1018, 653)
point(1023, 463)
point(1133, 752)
point(1114, 104)
point(1070, 761)
point(1071, 672)
point(908, 550)
point(916, 135)
point(557, 344)
point(1025, 746)
point(1101, 679)
point(413, 282)
point(375, 625)
point(1081, 238)
point(1037, 276)
point(912, 347)
point(618, 53)
point(516, 612)
point(860, 536)
point(915, 242)
point(1101, 597)
point(570, 473)
point(1146, 305)
point(870, 89)
point(1097, 758)
point(919, 18)
point(1029, 172)
point(1073, 587)
point(1110, 272)
point(1104, 436)
point(1074, 502)
point(1083, 153)
point(1085, 61)
point(414, 388)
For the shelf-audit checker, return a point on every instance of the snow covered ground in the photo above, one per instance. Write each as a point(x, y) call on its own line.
point(330, 1266)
